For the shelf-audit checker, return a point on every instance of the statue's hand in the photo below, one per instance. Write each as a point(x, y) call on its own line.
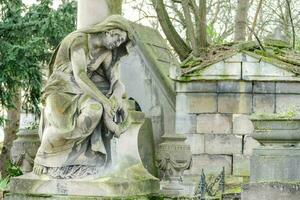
point(111, 125)
point(111, 108)
point(123, 109)
point(121, 106)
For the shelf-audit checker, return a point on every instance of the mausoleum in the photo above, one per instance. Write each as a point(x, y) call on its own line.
point(215, 97)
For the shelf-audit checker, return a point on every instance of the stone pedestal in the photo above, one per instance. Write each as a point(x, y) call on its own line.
point(24, 149)
point(274, 166)
point(126, 176)
point(271, 191)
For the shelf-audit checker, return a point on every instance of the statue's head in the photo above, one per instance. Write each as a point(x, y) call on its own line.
point(113, 38)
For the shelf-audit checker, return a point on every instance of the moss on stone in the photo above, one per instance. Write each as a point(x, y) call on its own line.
point(289, 115)
point(275, 52)
point(276, 43)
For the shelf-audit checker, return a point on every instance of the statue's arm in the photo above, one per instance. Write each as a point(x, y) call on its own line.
point(79, 65)
point(117, 88)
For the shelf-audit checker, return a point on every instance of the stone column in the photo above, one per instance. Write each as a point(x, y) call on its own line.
point(91, 12)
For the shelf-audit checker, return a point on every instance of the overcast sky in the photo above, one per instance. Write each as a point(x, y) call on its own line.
point(129, 13)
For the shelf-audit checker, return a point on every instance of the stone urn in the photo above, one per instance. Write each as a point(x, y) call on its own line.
point(24, 149)
point(173, 157)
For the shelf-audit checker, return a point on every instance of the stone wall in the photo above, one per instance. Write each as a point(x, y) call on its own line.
point(214, 115)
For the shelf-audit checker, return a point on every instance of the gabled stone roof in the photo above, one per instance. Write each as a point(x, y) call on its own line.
point(272, 53)
point(156, 51)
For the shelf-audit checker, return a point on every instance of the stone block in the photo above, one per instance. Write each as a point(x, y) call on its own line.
point(196, 141)
point(211, 164)
point(235, 103)
point(242, 125)
point(264, 103)
point(10, 196)
point(221, 69)
point(275, 164)
point(264, 69)
point(197, 102)
point(203, 86)
point(287, 102)
point(234, 87)
point(185, 123)
point(214, 123)
point(126, 182)
point(235, 58)
point(264, 87)
point(223, 144)
point(247, 58)
point(241, 165)
point(271, 191)
point(249, 144)
point(288, 87)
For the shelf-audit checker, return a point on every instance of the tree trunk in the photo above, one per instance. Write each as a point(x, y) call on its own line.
point(190, 27)
point(203, 37)
point(180, 47)
point(115, 6)
point(241, 20)
point(10, 129)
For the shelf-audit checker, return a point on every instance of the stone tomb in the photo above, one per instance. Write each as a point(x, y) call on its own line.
point(213, 106)
point(274, 166)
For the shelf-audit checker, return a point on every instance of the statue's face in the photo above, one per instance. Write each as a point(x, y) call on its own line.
point(114, 38)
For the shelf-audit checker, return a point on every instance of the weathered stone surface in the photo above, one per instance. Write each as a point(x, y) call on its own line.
point(235, 103)
point(247, 58)
point(249, 144)
point(214, 123)
point(235, 58)
point(196, 141)
point(241, 165)
point(275, 165)
point(271, 191)
point(25, 148)
point(264, 87)
point(241, 57)
point(203, 86)
point(242, 125)
point(212, 164)
point(264, 71)
point(222, 70)
point(129, 182)
point(185, 123)
point(286, 87)
point(234, 86)
point(264, 103)
point(197, 102)
point(223, 144)
point(146, 147)
point(286, 103)
point(63, 197)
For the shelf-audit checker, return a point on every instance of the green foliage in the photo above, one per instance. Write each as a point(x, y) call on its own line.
point(214, 36)
point(33, 126)
point(13, 171)
point(28, 36)
point(4, 183)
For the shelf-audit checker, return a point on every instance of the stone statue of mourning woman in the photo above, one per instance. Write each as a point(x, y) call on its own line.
point(83, 102)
